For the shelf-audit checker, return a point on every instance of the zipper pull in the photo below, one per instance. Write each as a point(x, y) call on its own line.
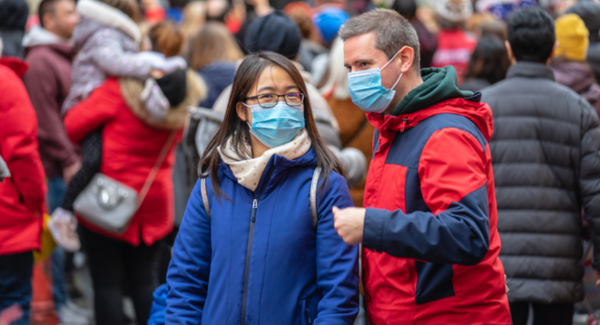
point(307, 315)
point(403, 126)
point(254, 207)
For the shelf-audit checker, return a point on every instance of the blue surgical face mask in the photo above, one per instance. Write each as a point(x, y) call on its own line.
point(277, 125)
point(366, 89)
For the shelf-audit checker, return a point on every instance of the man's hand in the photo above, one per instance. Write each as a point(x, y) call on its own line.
point(70, 171)
point(349, 224)
point(597, 278)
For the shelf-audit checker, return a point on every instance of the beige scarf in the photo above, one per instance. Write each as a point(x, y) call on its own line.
point(248, 170)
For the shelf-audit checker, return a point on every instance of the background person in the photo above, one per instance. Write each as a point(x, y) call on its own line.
point(49, 54)
point(133, 140)
point(488, 65)
point(22, 194)
point(546, 165)
point(569, 65)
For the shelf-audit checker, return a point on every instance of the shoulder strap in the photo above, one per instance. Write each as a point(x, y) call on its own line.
point(204, 196)
point(314, 184)
point(159, 161)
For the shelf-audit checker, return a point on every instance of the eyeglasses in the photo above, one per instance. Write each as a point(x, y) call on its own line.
point(270, 100)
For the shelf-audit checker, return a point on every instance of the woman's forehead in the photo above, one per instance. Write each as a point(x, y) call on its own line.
point(273, 78)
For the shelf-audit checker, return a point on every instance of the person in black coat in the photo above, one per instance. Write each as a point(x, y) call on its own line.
point(546, 160)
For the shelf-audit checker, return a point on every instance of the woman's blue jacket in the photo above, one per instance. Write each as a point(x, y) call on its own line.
point(258, 259)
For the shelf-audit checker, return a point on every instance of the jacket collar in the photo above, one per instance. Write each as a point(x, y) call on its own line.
point(530, 70)
point(471, 108)
point(275, 165)
point(40, 36)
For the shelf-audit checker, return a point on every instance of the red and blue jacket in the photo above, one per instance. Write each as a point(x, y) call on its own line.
point(430, 241)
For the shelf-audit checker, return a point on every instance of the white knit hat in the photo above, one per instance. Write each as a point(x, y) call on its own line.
point(454, 11)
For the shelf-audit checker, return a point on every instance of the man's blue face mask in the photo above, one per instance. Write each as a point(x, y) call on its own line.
point(366, 89)
point(277, 125)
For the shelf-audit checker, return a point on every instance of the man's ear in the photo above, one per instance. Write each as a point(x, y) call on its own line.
point(242, 111)
point(509, 51)
point(407, 57)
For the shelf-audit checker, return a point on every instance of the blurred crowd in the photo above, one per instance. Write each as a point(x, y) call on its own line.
point(98, 89)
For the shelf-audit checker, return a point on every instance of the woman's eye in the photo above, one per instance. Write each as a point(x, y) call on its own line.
point(267, 97)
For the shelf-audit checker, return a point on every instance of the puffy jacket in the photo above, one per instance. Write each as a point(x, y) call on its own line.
point(258, 259)
point(546, 158)
point(430, 240)
point(22, 195)
point(130, 149)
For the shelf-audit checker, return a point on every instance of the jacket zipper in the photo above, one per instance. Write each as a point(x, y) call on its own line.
point(248, 253)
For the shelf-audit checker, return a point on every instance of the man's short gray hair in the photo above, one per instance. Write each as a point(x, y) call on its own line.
point(392, 32)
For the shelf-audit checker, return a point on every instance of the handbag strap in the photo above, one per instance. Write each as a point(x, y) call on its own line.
point(154, 171)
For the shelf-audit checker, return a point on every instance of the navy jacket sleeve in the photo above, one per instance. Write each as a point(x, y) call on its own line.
point(454, 187)
point(189, 270)
point(337, 263)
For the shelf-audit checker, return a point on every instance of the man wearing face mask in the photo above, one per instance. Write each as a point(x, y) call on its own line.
point(430, 243)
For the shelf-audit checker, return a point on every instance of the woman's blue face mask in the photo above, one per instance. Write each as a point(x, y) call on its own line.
point(366, 89)
point(277, 125)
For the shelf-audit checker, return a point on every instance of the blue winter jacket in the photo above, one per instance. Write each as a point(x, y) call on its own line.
point(259, 259)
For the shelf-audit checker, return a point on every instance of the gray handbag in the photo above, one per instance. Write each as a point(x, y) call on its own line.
point(4, 172)
point(109, 204)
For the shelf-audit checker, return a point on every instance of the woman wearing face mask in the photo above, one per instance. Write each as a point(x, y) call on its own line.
point(253, 248)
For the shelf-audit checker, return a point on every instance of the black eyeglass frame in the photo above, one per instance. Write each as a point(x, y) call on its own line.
point(277, 101)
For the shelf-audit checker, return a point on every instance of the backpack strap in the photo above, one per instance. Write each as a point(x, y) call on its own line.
point(314, 184)
point(205, 196)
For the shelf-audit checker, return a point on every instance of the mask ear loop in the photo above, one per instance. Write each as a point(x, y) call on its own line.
point(392, 59)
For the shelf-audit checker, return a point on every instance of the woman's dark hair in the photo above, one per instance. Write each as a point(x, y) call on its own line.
point(531, 35)
point(239, 132)
point(489, 61)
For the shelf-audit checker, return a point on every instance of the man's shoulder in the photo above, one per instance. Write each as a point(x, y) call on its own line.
point(44, 55)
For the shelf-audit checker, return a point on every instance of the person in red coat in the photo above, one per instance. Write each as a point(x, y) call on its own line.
point(131, 144)
point(22, 194)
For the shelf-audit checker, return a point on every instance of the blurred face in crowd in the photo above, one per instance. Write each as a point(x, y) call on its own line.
point(62, 19)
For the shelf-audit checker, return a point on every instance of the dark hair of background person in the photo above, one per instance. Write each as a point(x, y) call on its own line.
point(489, 61)
point(46, 7)
point(128, 7)
point(13, 14)
point(275, 32)
point(392, 32)
point(167, 38)
point(239, 132)
point(213, 43)
point(531, 35)
point(406, 8)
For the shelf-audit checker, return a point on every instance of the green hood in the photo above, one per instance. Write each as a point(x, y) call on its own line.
point(439, 84)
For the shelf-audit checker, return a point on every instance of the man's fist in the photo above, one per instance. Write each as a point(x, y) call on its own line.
point(349, 224)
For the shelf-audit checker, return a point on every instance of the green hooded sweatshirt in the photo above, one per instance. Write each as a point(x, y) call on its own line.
point(439, 84)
